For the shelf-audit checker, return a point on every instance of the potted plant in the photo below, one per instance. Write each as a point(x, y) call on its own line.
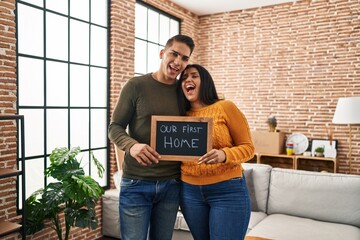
point(319, 151)
point(272, 123)
point(75, 195)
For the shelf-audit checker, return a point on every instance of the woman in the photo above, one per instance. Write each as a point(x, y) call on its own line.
point(214, 196)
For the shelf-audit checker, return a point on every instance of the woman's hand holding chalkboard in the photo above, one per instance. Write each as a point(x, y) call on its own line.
point(213, 156)
point(144, 154)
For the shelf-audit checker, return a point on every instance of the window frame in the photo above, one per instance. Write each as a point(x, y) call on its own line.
point(146, 40)
point(90, 108)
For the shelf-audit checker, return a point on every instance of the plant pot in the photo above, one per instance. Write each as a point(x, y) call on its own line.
point(318, 154)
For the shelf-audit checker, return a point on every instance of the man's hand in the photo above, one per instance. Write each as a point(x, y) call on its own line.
point(213, 156)
point(144, 154)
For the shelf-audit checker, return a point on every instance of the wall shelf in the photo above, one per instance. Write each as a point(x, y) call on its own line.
point(4, 172)
point(299, 162)
point(7, 227)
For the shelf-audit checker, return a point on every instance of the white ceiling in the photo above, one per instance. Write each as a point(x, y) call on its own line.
point(205, 7)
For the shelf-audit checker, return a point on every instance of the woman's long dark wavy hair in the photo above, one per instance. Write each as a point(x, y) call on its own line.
point(208, 94)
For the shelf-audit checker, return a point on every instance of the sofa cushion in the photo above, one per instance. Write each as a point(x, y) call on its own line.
point(180, 223)
point(250, 185)
point(285, 227)
point(255, 218)
point(110, 213)
point(258, 184)
point(321, 196)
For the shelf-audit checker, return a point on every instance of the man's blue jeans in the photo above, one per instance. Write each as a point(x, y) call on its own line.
point(148, 207)
point(217, 211)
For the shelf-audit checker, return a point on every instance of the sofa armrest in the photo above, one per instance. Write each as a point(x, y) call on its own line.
point(258, 184)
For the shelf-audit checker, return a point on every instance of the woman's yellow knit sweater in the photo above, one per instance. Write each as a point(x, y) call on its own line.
point(231, 134)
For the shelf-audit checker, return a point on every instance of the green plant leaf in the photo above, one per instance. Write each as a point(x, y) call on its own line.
point(82, 188)
point(60, 155)
point(54, 195)
point(35, 215)
point(74, 194)
point(65, 170)
point(86, 218)
point(100, 167)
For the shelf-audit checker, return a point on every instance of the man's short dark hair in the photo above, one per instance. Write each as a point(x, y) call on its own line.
point(183, 39)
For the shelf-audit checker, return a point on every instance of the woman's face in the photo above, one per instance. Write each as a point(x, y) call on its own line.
point(191, 85)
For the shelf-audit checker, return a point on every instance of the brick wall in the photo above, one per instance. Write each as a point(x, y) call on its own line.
point(7, 58)
point(292, 60)
point(7, 106)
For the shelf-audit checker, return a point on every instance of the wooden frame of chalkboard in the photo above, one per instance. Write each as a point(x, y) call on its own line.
point(181, 138)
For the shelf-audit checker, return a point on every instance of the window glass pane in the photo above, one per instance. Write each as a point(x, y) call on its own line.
point(101, 156)
point(164, 29)
point(34, 129)
point(98, 46)
point(79, 128)
point(153, 33)
point(56, 129)
point(98, 128)
point(80, 9)
point(140, 21)
point(140, 56)
point(84, 157)
point(174, 28)
point(31, 81)
point(46, 92)
point(49, 179)
point(34, 176)
point(98, 87)
point(99, 12)
point(60, 6)
point(19, 142)
point(56, 83)
point(35, 2)
point(79, 42)
point(153, 57)
point(20, 189)
point(30, 30)
point(79, 86)
point(56, 36)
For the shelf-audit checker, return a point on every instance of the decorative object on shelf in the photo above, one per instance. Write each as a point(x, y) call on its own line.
point(300, 141)
point(272, 123)
point(348, 112)
point(329, 147)
point(289, 148)
point(319, 151)
point(75, 195)
point(268, 142)
point(307, 154)
point(331, 150)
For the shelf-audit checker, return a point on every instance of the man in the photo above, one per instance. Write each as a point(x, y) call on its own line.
point(149, 195)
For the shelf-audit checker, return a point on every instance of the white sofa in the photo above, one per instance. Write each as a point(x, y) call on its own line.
point(286, 204)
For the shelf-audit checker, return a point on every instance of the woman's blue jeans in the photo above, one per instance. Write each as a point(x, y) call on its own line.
point(148, 209)
point(216, 211)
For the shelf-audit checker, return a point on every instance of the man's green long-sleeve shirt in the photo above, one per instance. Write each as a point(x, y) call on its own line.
point(140, 98)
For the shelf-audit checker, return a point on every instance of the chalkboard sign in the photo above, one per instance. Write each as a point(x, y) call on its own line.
point(181, 138)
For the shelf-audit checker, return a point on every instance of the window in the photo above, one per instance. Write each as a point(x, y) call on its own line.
point(152, 29)
point(62, 49)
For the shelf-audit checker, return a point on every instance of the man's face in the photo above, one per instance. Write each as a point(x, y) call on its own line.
point(174, 60)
